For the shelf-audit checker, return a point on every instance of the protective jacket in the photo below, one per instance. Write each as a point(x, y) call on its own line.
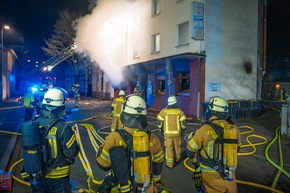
point(113, 156)
point(63, 148)
point(172, 121)
point(117, 107)
point(28, 100)
point(200, 148)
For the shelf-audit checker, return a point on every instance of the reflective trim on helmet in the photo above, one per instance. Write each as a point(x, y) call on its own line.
point(49, 100)
point(138, 109)
point(226, 108)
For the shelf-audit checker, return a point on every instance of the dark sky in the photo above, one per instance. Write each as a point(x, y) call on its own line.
point(34, 19)
point(278, 33)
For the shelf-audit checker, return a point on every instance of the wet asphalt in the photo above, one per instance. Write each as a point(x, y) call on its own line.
point(253, 167)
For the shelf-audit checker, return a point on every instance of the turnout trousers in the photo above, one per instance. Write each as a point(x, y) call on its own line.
point(116, 123)
point(57, 185)
point(172, 149)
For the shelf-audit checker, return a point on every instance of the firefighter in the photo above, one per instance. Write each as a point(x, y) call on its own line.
point(116, 108)
point(29, 104)
point(63, 147)
point(172, 122)
point(76, 91)
point(122, 153)
point(40, 95)
point(204, 150)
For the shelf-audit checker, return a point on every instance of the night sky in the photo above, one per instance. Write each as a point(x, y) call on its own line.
point(34, 19)
point(278, 33)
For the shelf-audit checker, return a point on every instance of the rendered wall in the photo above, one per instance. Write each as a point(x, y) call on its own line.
point(231, 48)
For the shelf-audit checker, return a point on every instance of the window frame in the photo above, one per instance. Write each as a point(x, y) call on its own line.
point(160, 77)
point(183, 33)
point(155, 43)
point(155, 7)
point(180, 76)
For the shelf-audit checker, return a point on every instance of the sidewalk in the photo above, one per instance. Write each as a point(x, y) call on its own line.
point(12, 115)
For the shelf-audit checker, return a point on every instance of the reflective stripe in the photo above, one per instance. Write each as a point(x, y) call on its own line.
point(71, 141)
point(125, 188)
point(183, 118)
point(167, 158)
point(105, 155)
point(52, 141)
point(160, 118)
point(59, 172)
point(158, 156)
point(169, 114)
point(171, 132)
point(210, 149)
point(156, 178)
point(193, 145)
point(117, 105)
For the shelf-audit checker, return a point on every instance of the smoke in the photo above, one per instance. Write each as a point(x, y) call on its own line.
point(100, 36)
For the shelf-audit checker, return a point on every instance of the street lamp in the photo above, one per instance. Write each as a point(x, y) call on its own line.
point(1, 70)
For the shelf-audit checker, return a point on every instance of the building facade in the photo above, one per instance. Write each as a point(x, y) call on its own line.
point(192, 49)
point(8, 73)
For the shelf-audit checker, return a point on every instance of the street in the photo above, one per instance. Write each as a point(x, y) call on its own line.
point(251, 168)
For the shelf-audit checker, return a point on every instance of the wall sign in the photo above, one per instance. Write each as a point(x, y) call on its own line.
point(197, 20)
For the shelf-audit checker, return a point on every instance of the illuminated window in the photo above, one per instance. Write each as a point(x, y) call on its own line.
point(155, 43)
point(160, 83)
point(183, 83)
point(155, 7)
point(183, 33)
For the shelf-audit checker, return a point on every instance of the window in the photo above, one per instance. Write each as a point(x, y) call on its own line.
point(183, 33)
point(155, 43)
point(160, 83)
point(183, 83)
point(155, 7)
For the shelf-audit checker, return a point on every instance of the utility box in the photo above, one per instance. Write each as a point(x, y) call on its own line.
point(285, 120)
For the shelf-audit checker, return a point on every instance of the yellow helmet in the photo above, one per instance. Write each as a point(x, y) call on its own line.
point(218, 104)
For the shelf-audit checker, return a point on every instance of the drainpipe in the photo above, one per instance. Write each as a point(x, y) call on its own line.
point(198, 90)
point(264, 44)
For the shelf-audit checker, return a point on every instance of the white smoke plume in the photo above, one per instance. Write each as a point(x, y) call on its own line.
point(100, 35)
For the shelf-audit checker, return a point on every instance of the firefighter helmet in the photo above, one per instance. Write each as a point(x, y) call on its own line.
point(135, 105)
point(54, 97)
point(121, 93)
point(218, 104)
point(134, 112)
point(172, 100)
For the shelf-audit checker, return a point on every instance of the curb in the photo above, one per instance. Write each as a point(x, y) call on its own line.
point(4, 163)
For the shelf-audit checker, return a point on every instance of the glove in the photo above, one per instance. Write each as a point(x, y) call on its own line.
point(157, 185)
point(190, 136)
point(99, 150)
point(197, 178)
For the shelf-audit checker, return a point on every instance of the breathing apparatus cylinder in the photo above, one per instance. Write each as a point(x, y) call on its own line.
point(141, 159)
point(32, 147)
point(230, 150)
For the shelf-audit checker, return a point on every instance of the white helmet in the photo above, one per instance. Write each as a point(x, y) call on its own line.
point(172, 100)
point(135, 105)
point(218, 104)
point(121, 93)
point(54, 97)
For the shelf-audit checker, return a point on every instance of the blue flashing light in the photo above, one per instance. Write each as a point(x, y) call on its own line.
point(34, 89)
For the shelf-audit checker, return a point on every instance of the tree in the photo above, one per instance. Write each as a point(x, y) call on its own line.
point(62, 37)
